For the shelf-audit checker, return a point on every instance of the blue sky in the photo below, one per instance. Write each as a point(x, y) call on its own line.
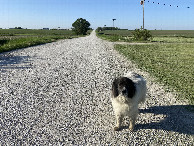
point(37, 14)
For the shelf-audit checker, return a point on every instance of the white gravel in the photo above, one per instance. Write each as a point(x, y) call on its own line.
point(59, 94)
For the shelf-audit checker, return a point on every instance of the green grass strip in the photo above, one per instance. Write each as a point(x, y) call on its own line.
point(172, 64)
point(17, 43)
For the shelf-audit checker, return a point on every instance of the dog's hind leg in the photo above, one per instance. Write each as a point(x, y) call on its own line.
point(119, 119)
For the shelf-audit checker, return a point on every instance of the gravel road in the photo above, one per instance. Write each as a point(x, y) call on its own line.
point(59, 94)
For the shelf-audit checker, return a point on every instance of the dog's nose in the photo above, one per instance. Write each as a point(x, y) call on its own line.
point(124, 91)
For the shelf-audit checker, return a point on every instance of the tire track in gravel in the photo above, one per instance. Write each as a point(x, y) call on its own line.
point(59, 94)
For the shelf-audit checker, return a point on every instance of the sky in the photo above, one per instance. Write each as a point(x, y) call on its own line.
point(37, 14)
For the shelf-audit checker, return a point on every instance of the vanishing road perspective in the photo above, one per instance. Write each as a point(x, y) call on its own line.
point(59, 94)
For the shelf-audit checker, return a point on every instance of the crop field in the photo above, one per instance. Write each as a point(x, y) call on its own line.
point(31, 32)
point(166, 36)
point(169, 57)
point(11, 39)
point(167, 33)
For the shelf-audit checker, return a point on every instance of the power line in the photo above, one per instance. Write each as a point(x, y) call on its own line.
point(163, 4)
point(142, 3)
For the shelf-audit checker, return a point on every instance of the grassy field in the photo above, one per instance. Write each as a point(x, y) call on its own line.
point(170, 58)
point(11, 39)
point(163, 33)
point(172, 64)
point(166, 36)
point(33, 32)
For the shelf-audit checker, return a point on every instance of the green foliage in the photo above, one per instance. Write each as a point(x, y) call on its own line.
point(141, 35)
point(81, 26)
point(3, 41)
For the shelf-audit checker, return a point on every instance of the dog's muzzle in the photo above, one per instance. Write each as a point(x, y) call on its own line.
point(124, 92)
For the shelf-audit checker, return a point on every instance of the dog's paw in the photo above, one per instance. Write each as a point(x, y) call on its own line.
point(117, 129)
point(131, 129)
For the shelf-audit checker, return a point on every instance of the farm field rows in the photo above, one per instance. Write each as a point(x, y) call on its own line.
point(185, 33)
point(166, 36)
point(169, 58)
point(33, 32)
point(11, 39)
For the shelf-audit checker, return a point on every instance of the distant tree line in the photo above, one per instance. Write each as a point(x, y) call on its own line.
point(107, 28)
point(18, 28)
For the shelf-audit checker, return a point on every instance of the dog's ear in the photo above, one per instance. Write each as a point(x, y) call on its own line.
point(130, 87)
point(115, 92)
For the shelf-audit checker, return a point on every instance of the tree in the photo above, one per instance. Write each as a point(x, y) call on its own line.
point(81, 26)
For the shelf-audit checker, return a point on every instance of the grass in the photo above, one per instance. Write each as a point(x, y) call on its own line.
point(173, 33)
point(172, 64)
point(115, 35)
point(20, 32)
point(23, 42)
point(11, 39)
point(170, 39)
point(117, 32)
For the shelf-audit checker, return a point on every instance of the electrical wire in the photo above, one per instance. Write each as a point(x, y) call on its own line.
point(162, 4)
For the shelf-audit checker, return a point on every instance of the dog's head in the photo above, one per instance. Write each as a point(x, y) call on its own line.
point(123, 86)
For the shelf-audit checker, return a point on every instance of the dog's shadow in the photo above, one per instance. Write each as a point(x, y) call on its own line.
point(177, 118)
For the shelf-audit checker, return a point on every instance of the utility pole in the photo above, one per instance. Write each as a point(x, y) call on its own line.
point(142, 3)
point(143, 14)
point(113, 23)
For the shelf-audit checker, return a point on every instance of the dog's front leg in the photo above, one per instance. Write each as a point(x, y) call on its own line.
point(119, 119)
point(132, 124)
point(132, 121)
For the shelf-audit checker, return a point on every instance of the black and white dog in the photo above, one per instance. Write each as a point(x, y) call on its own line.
point(127, 93)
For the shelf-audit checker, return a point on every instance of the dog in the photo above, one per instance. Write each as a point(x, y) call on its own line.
point(127, 92)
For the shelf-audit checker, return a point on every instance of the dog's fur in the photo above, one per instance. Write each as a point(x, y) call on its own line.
point(127, 93)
